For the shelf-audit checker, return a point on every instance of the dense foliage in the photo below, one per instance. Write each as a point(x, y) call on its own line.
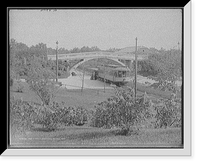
point(165, 65)
point(124, 111)
point(20, 116)
point(168, 114)
point(168, 65)
point(24, 115)
point(120, 110)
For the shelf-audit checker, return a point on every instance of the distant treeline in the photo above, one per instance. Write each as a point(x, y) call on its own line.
point(21, 55)
point(41, 49)
point(51, 51)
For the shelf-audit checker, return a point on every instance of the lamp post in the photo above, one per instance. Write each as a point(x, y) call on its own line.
point(136, 69)
point(57, 61)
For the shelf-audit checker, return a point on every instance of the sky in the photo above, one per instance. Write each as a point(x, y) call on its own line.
point(104, 28)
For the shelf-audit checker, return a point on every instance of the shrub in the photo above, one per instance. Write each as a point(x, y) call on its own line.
point(25, 114)
point(120, 111)
point(58, 115)
point(71, 115)
point(79, 116)
point(168, 114)
point(20, 116)
point(123, 111)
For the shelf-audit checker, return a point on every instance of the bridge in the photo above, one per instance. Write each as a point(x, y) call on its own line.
point(100, 54)
point(86, 56)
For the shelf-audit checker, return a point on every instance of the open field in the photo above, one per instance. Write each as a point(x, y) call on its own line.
point(97, 137)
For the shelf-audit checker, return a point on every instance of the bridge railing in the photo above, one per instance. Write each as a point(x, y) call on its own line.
point(82, 53)
point(126, 56)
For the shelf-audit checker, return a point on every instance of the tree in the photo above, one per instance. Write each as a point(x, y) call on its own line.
point(168, 69)
point(75, 50)
point(167, 65)
point(94, 49)
point(39, 50)
point(62, 51)
point(112, 49)
point(18, 53)
point(39, 80)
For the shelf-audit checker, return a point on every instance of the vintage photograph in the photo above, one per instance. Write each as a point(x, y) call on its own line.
point(96, 78)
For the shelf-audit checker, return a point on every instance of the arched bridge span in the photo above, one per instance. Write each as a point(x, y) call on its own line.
point(86, 56)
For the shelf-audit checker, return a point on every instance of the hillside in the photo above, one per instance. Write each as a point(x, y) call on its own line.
point(140, 50)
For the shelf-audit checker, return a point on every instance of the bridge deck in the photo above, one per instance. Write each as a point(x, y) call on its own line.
point(91, 55)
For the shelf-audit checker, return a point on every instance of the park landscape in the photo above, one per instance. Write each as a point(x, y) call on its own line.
point(53, 104)
point(46, 113)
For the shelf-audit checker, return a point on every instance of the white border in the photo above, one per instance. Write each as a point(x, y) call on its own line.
point(186, 151)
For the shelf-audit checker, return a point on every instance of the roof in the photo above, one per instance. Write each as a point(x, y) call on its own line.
point(115, 67)
point(121, 68)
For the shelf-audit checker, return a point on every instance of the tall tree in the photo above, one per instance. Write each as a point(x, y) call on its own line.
point(39, 50)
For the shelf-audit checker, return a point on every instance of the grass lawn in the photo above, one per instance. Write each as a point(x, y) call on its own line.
point(71, 97)
point(88, 98)
point(83, 136)
point(156, 92)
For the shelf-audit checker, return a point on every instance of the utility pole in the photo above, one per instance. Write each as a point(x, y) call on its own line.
point(136, 69)
point(104, 78)
point(57, 61)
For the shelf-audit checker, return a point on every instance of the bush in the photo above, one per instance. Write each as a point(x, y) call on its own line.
point(123, 111)
point(120, 111)
point(20, 116)
point(79, 116)
point(71, 115)
point(25, 114)
point(57, 115)
point(168, 114)
point(48, 119)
